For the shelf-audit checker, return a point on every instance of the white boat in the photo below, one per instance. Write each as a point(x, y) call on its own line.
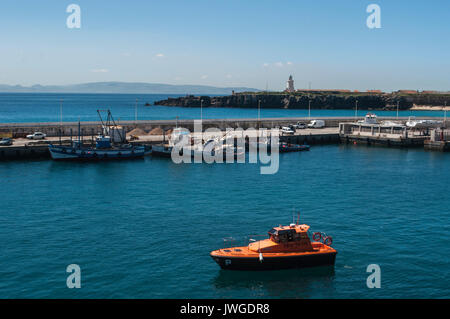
point(392, 124)
point(413, 123)
point(165, 150)
point(212, 146)
point(370, 118)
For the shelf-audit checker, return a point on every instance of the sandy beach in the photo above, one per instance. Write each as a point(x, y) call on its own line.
point(430, 108)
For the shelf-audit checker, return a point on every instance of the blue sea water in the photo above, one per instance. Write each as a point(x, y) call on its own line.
point(18, 108)
point(144, 228)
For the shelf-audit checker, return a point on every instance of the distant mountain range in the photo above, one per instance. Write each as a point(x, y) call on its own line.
point(124, 87)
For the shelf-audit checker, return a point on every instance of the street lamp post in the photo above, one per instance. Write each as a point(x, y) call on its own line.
point(397, 109)
point(201, 120)
point(356, 109)
point(445, 114)
point(259, 112)
point(201, 110)
point(60, 112)
point(135, 112)
point(309, 109)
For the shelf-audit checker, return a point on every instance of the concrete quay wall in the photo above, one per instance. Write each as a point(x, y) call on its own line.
point(92, 128)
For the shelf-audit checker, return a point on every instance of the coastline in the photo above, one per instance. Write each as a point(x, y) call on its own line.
point(429, 108)
point(315, 100)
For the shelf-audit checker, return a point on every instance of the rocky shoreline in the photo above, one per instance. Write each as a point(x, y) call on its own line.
point(386, 101)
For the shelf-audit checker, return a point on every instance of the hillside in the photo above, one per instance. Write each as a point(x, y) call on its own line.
point(321, 100)
point(123, 87)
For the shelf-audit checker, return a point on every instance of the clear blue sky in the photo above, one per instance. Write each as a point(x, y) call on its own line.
point(228, 43)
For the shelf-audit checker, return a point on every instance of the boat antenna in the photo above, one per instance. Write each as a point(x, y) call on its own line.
point(298, 218)
point(79, 133)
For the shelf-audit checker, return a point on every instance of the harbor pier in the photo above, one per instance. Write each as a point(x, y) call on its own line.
point(393, 135)
point(439, 141)
point(412, 133)
point(17, 130)
point(63, 133)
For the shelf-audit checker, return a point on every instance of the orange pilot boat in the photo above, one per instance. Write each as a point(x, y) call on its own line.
point(286, 247)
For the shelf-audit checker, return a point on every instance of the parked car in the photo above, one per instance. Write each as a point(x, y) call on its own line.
point(287, 130)
point(36, 136)
point(6, 141)
point(316, 124)
point(299, 126)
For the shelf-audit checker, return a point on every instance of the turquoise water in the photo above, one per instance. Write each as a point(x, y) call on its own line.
point(144, 229)
point(17, 108)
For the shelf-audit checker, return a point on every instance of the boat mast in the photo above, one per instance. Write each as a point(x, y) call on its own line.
point(135, 113)
point(60, 112)
point(110, 122)
point(79, 132)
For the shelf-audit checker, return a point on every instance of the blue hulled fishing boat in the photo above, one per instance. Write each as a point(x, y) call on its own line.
point(110, 144)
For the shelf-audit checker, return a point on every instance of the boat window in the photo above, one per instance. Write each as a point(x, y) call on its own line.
point(290, 236)
point(237, 250)
point(227, 250)
point(274, 238)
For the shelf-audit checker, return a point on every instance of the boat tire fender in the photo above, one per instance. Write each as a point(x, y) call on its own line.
point(317, 236)
point(328, 241)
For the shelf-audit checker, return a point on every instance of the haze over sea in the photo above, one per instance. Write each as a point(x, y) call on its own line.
point(45, 107)
point(145, 228)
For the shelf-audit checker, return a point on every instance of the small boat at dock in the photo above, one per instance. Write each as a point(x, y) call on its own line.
point(422, 124)
point(288, 147)
point(287, 247)
point(102, 151)
point(110, 144)
point(283, 147)
point(214, 147)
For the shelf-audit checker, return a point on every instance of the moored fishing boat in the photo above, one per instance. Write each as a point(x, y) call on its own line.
point(110, 144)
point(79, 152)
point(286, 247)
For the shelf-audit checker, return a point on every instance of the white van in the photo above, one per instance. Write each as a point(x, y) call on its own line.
point(316, 124)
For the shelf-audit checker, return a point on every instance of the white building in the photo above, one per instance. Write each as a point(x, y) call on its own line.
point(290, 84)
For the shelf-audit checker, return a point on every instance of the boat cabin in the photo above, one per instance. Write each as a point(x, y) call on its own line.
point(285, 234)
point(103, 142)
point(369, 119)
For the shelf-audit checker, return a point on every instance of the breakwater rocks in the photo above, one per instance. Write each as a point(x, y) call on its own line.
point(385, 101)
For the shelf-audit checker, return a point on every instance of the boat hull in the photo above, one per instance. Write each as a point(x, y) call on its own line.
point(281, 148)
point(161, 151)
point(166, 151)
point(275, 263)
point(294, 148)
point(66, 153)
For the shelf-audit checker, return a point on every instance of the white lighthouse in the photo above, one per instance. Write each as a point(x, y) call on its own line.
point(290, 85)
